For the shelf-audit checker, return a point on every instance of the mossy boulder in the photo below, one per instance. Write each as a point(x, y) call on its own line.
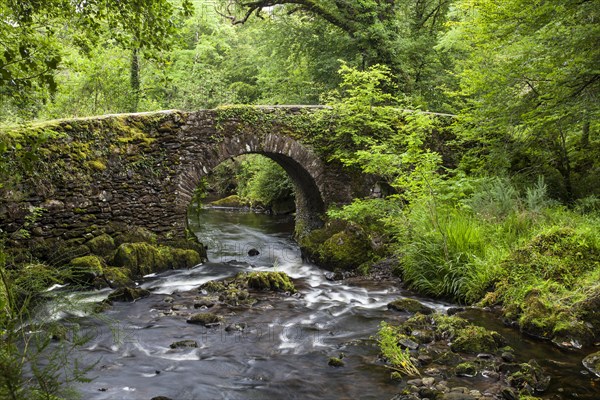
point(118, 277)
point(233, 201)
point(475, 339)
point(140, 258)
point(143, 258)
point(205, 319)
point(335, 362)
point(103, 245)
point(271, 280)
point(84, 270)
point(135, 234)
point(529, 379)
point(337, 246)
point(468, 369)
point(128, 294)
point(410, 306)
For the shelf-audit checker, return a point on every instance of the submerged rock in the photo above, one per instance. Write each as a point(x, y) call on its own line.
point(592, 363)
point(336, 362)
point(128, 294)
point(205, 319)
point(253, 252)
point(183, 344)
point(409, 305)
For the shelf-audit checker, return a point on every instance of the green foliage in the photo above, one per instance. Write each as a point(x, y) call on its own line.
point(399, 360)
point(262, 181)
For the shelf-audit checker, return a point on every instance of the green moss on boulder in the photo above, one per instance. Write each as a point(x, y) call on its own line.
point(337, 246)
point(271, 280)
point(143, 258)
point(234, 201)
point(205, 319)
point(128, 294)
point(103, 245)
point(118, 277)
point(410, 306)
point(84, 270)
point(474, 340)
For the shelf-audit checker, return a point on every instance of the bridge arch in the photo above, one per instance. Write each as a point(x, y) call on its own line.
point(304, 168)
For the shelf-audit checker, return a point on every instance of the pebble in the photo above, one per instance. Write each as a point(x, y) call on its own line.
point(428, 381)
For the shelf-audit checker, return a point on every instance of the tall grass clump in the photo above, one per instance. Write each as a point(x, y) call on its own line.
point(453, 250)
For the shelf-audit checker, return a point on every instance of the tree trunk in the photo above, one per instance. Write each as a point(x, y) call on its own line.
point(135, 80)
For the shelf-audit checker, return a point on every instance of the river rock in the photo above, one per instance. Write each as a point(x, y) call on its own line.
point(592, 363)
point(410, 306)
point(458, 396)
point(128, 294)
point(407, 343)
point(183, 344)
point(335, 362)
point(253, 252)
point(205, 319)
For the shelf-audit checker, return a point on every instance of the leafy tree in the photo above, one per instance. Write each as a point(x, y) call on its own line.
point(400, 35)
point(530, 83)
point(33, 34)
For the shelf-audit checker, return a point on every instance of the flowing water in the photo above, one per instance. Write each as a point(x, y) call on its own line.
point(284, 350)
point(282, 353)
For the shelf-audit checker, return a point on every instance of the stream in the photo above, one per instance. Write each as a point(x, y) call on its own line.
point(284, 350)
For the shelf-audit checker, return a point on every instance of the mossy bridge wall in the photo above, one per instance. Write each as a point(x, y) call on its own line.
point(80, 176)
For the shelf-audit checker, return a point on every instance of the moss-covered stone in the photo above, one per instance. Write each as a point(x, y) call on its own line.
point(84, 270)
point(466, 369)
point(233, 201)
point(184, 344)
point(184, 258)
point(128, 294)
point(103, 245)
point(143, 258)
point(205, 319)
point(410, 306)
point(271, 280)
point(335, 362)
point(135, 234)
point(475, 339)
point(118, 277)
point(337, 246)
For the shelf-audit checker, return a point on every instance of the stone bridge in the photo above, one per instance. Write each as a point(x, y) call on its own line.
point(71, 178)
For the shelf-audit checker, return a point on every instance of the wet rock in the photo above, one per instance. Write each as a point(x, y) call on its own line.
point(205, 302)
point(428, 393)
point(84, 270)
point(474, 340)
point(467, 369)
point(592, 363)
point(508, 357)
point(454, 310)
point(509, 394)
point(253, 252)
point(530, 378)
point(161, 398)
point(336, 362)
point(236, 327)
point(409, 305)
point(103, 245)
point(405, 397)
point(407, 343)
point(429, 381)
point(448, 358)
point(458, 396)
point(205, 319)
point(183, 344)
point(128, 294)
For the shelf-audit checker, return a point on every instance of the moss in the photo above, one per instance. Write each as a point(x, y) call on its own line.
point(35, 278)
point(410, 306)
point(335, 362)
point(475, 339)
point(337, 246)
point(466, 369)
point(231, 201)
point(118, 277)
point(182, 258)
point(84, 270)
point(103, 245)
point(128, 294)
point(271, 280)
point(96, 165)
point(135, 234)
point(205, 319)
point(184, 344)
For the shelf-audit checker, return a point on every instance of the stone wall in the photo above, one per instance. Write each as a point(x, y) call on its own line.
point(83, 175)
